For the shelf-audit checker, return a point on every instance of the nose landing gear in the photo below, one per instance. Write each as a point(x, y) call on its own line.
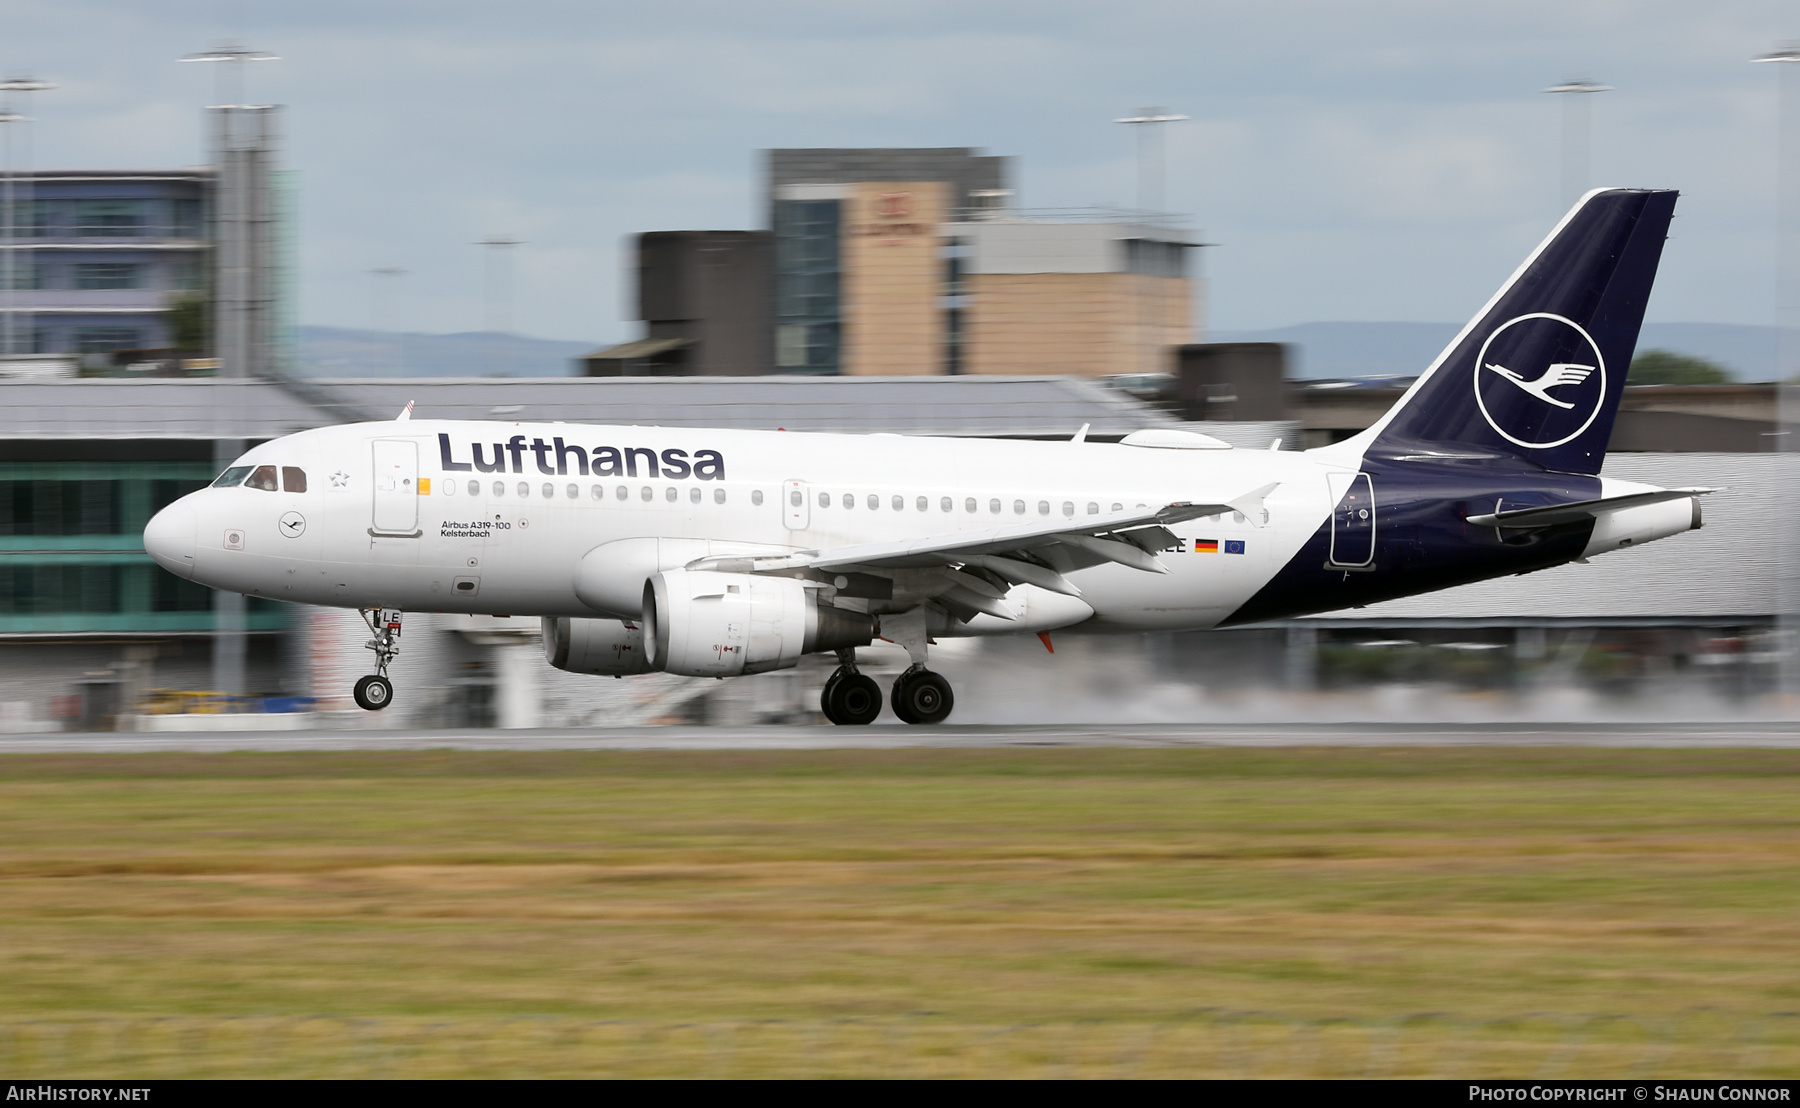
point(375, 691)
point(850, 697)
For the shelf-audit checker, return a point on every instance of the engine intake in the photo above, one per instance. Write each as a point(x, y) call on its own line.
point(705, 624)
point(605, 646)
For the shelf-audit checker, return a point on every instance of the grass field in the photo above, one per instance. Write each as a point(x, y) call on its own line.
point(932, 911)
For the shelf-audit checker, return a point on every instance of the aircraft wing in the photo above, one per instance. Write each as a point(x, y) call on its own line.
point(1552, 514)
point(1037, 553)
point(943, 549)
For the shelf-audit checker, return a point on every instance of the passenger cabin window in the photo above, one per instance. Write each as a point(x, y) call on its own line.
point(293, 478)
point(263, 478)
point(232, 477)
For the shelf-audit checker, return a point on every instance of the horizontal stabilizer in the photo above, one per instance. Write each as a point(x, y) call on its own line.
point(1553, 514)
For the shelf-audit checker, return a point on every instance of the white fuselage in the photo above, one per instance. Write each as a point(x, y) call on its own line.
point(384, 523)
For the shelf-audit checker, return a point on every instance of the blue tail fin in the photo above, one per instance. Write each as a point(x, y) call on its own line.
point(1538, 373)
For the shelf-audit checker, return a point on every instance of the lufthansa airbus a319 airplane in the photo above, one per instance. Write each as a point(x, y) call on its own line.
point(717, 553)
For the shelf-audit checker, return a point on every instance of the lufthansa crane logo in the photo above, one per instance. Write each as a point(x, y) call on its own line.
point(1540, 380)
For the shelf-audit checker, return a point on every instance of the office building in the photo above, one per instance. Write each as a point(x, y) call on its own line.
point(705, 297)
point(909, 262)
point(103, 261)
point(905, 263)
point(1067, 292)
point(860, 269)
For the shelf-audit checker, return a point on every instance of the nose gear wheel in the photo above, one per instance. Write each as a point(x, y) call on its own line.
point(374, 693)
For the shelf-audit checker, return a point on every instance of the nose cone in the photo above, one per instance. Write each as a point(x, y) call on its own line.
point(169, 538)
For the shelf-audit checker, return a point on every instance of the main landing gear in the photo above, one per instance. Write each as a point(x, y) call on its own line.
point(852, 697)
point(921, 696)
point(375, 691)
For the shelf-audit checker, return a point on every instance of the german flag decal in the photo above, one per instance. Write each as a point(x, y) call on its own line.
point(1206, 546)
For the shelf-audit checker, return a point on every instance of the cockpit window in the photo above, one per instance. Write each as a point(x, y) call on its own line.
point(263, 478)
point(293, 478)
point(232, 477)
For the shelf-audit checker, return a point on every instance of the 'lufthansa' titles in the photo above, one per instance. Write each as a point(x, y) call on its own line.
point(558, 458)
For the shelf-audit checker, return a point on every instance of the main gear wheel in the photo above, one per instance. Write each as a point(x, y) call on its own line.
point(850, 697)
point(921, 696)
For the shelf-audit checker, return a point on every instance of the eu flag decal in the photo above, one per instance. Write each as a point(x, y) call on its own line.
point(1206, 546)
point(1234, 546)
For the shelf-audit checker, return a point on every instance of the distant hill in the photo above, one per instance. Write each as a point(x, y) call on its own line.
point(346, 352)
point(1322, 350)
point(1368, 349)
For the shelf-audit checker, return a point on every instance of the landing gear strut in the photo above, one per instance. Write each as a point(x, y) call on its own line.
point(375, 691)
point(850, 697)
point(921, 696)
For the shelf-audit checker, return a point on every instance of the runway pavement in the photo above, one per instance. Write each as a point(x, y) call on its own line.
point(1783, 735)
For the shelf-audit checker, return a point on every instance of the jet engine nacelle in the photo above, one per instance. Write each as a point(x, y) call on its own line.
point(1628, 527)
point(704, 624)
point(605, 646)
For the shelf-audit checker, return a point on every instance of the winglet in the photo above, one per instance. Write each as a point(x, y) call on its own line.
point(1251, 503)
point(405, 414)
point(1081, 435)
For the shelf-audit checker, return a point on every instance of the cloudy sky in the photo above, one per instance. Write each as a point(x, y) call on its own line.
point(1383, 160)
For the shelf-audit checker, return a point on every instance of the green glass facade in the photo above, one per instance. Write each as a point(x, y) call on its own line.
point(72, 552)
point(808, 277)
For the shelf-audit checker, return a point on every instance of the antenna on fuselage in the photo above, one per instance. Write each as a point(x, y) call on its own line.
point(1081, 435)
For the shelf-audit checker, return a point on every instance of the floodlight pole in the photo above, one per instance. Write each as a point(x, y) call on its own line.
point(1150, 155)
point(9, 217)
point(228, 79)
point(1787, 367)
point(239, 229)
point(497, 279)
point(377, 314)
point(1575, 127)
